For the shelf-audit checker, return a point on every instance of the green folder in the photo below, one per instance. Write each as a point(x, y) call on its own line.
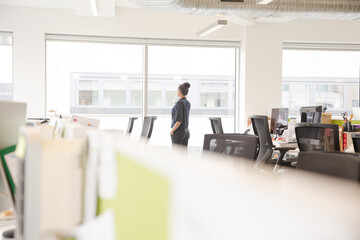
point(8, 176)
point(142, 203)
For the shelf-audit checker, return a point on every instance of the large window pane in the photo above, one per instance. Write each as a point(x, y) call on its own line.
point(5, 66)
point(330, 96)
point(89, 93)
point(295, 95)
point(211, 73)
point(97, 79)
point(136, 94)
point(114, 94)
point(154, 94)
point(214, 95)
point(171, 98)
point(353, 96)
point(105, 81)
point(321, 77)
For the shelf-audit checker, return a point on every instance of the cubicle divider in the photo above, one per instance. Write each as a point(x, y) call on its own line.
point(123, 189)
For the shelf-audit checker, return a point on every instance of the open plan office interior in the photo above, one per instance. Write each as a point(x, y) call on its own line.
point(179, 120)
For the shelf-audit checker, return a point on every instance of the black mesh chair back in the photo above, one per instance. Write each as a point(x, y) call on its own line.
point(261, 129)
point(338, 164)
point(232, 144)
point(317, 137)
point(356, 141)
point(148, 126)
point(216, 124)
point(130, 125)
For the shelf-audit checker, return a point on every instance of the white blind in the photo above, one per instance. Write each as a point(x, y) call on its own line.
point(322, 46)
point(5, 38)
point(142, 41)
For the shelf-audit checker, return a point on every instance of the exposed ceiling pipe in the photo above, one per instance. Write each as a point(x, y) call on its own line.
point(307, 9)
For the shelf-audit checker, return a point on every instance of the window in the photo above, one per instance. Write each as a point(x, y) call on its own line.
point(214, 95)
point(211, 73)
point(326, 76)
point(330, 96)
point(88, 93)
point(295, 95)
point(97, 79)
point(6, 66)
point(105, 80)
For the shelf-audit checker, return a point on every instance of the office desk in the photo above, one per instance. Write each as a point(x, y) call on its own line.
point(284, 144)
point(286, 148)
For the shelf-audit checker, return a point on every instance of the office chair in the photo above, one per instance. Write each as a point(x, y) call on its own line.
point(338, 164)
point(216, 124)
point(317, 137)
point(356, 141)
point(232, 144)
point(266, 147)
point(130, 125)
point(148, 126)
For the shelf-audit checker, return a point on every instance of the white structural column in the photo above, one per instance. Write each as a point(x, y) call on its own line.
point(29, 70)
point(262, 49)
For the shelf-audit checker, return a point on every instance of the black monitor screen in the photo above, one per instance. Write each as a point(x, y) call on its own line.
point(311, 114)
point(279, 119)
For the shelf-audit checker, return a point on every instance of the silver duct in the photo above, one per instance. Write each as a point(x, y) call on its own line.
point(309, 9)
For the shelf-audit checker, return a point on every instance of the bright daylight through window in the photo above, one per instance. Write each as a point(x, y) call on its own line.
point(105, 81)
point(6, 58)
point(328, 78)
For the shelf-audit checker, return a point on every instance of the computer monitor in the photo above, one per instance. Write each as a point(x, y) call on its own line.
point(311, 114)
point(279, 120)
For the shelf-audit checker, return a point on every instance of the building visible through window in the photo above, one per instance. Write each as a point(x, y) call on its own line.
point(329, 78)
point(6, 58)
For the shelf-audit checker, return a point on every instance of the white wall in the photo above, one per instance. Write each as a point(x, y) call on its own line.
point(262, 46)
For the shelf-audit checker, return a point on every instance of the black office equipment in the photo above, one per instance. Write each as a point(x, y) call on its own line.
point(279, 120)
point(338, 164)
point(261, 129)
point(130, 125)
point(10, 234)
point(311, 114)
point(317, 137)
point(232, 144)
point(216, 124)
point(148, 126)
point(356, 141)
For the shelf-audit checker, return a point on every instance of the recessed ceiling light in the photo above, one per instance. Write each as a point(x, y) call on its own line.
point(94, 8)
point(263, 2)
point(212, 28)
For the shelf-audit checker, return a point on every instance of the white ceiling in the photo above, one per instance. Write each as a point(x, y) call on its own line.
point(124, 3)
point(82, 7)
point(56, 4)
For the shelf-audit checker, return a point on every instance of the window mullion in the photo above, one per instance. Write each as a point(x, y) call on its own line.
point(145, 79)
